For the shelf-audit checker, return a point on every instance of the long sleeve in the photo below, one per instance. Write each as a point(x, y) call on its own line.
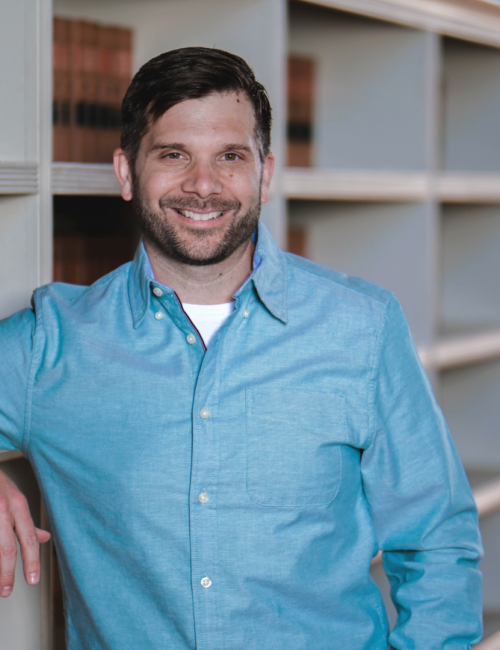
point(16, 344)
point(421, 504)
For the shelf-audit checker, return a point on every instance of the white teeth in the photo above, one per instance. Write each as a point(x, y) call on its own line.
point(200, 217)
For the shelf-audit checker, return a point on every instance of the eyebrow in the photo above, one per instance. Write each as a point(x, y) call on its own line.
point(167, 145)
point(237, 147)
point(161, 146)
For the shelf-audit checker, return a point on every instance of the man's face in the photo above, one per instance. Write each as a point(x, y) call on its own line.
point(199, 182)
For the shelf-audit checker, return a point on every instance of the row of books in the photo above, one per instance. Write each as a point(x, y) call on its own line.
point(300, 111)
point(92, 67)
point(82, 259)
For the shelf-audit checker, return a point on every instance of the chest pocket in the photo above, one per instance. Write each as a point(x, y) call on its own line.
point(293, 446)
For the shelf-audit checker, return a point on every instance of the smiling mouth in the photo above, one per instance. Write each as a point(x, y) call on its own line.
point(198, 216)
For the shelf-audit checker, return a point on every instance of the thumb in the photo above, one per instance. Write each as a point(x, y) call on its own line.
point(43, 535)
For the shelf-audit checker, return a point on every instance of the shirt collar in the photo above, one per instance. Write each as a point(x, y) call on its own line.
point(269, 278)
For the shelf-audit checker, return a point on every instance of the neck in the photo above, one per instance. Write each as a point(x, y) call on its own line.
point(203, 285)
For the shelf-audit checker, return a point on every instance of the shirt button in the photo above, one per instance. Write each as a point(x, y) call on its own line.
point(205, 413)
point(159, 315)
point(246, 313)
point(191, 338)
point(206, 582)
point(203, 497)
point(158, 292)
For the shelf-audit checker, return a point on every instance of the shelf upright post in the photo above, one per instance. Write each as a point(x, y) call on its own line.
point(45, 139)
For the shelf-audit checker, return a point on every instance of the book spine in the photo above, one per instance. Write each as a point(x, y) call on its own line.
point(90, 88)
point(124, 67)
point(56, 89)
point(297, 241)
point(61, 91)
point(113, 140)
point(78, 100)
point(105, 93)
point(300, 111)
point(91, 73)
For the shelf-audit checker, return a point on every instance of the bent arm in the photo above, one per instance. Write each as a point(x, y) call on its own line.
point(421, 504)
point(16, 336)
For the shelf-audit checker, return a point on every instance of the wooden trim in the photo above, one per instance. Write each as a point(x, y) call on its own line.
point(314, 184)
point(469, 188)
point(18, 178)
point(487, 497)
point(45, 139)
point(9, 455)
point(84, 178)
point(491, 643)
point(461, 351)
point(471, 20)
point(327, 185)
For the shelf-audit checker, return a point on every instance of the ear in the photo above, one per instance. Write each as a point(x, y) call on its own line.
point(267, 174)
point(123, 172)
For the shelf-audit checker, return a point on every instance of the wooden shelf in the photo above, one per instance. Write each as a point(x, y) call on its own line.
point(84, 178)
point(469, 188)
point(18, 178)
point(469, 19)
point(461, 351)
point(324, 185)
point(297, 183)
point(9, 455)
point(491, 643)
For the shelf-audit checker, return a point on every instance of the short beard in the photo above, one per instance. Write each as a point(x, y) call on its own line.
point(162, 235)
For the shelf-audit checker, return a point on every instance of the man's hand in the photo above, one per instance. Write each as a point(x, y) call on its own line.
point(16, 521)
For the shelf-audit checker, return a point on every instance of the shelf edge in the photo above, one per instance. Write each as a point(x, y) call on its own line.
point(84, 178)
point(469, 188)
point(6, 455)
point(461, 351)
point(324, 185)
point(491, 643)
point(480, 25)
point(18, 178)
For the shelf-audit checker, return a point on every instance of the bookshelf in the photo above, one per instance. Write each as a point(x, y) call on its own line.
point(404, 187)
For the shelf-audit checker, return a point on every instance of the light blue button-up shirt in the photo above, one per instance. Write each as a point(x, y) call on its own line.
point(308, 425)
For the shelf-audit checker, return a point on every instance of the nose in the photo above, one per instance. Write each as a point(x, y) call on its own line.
point(202, 179)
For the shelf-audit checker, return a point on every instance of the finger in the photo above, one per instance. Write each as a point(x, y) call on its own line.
point(8, 550)
point(43, 535)
point(28, 538)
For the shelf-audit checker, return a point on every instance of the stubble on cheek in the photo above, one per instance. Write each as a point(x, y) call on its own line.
point(195, 246)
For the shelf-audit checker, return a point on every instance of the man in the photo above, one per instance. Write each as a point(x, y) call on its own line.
point(225, 434)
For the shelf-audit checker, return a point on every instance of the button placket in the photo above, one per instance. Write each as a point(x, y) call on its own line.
point(203, 498)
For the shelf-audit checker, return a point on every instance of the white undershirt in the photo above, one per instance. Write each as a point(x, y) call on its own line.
point(208, 319)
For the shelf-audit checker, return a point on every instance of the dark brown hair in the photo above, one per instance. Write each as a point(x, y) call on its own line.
point(189, 73)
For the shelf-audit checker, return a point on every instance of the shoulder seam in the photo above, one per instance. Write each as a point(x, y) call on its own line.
point(291, 259)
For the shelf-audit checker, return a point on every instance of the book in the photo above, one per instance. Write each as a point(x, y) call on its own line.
point(300, 111)
point(92, 67)
point(61, 111)
point(81, 258)
point(297, 240)
point(77, 91)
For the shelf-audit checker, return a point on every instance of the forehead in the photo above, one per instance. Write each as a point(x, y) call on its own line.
point(219, 115)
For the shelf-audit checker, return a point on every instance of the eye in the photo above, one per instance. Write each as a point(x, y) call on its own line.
point(173, 155)
point(231, 157)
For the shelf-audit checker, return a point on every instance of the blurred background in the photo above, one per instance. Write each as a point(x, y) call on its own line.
point(387, 138)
